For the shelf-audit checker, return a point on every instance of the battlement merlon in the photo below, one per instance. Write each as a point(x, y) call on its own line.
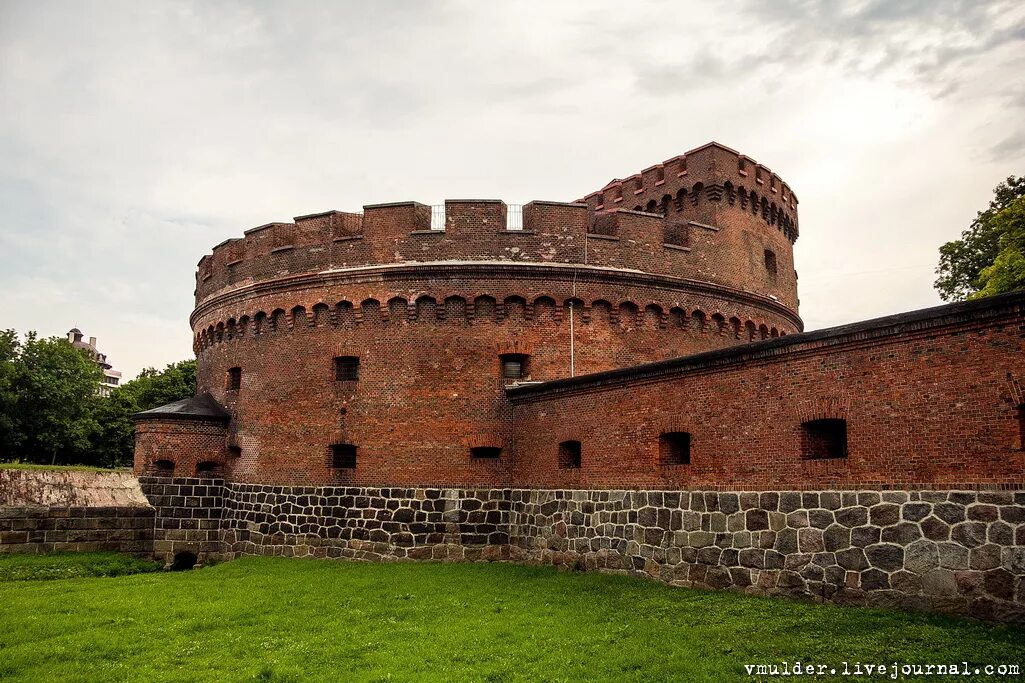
point(711, 172)
point(688, 245)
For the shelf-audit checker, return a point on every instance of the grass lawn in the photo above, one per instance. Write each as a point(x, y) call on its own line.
point(298, 620)
point(57, 468)
point(71, 566)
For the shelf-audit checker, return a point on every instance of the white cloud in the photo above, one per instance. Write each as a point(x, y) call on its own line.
point(135, 136)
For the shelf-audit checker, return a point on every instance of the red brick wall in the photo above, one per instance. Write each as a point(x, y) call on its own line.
point(186, 443)
point(927, 401)
point(428, 313)
point(430, 382)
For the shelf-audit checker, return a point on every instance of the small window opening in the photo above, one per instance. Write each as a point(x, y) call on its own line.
point(164, 467)
point(569, 455)
point(677, 234)
point(343, 456)
point(770, 262)
point(514, 366)
point(346, 368)
point(183, 561)
point(825, 438)
point(234, 379)
point(485, 452)
point(208, 469)
point(674, 448)
point(234, 452)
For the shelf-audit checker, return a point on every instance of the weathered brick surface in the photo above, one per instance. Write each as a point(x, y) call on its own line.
point(76, 529)
point(184, 444)
point(429, 313)
point(930, 399)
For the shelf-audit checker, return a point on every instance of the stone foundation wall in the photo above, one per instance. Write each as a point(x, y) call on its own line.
point(188, 516)
point(377, 524)
point(76, 529)
point(961, 552)
point(43, 511)
point(953, 551)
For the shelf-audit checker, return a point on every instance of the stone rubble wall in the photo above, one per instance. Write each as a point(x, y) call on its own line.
point(952, 551)
point(376, 524)
point(69, 488)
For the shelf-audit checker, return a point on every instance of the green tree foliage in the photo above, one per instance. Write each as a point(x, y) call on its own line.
point(50, 412)
point(1008, 270)
point(10, 436)
point(152, 388)
point(49, 399)
point(963, 261)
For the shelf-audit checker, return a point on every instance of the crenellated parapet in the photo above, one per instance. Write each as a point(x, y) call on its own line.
point(701, 183)
point(695, 244)
point(402, 232)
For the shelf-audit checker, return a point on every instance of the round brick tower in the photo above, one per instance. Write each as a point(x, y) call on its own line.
point(373, 348)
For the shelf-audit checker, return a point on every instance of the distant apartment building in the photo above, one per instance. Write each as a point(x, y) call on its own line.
point(111, 378)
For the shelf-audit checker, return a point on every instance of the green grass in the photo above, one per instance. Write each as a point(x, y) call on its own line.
point(16, 567)
point(57, 468)
point(316, 620)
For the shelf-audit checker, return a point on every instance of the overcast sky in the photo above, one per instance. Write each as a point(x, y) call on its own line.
point(135, 136)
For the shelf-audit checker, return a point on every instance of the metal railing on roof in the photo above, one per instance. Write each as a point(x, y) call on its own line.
point(437, 217)
point(514, 217)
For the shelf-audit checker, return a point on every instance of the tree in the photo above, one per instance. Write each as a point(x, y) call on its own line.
point(1007, 273)
point(48, 395)
point(50, 411)
point(153, 388)
point(114, 443)
point(11, 437)
point(963, 261)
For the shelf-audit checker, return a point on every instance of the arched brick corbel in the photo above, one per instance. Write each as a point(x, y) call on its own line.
point(485, 440)
point(836, 408)
point(516, 346)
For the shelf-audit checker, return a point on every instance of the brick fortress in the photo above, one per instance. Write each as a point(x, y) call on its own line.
point(619, 383)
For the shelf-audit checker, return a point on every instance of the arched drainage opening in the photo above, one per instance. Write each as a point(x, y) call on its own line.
point(183, 561)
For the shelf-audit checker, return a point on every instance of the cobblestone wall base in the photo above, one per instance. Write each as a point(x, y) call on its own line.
point(960, 552)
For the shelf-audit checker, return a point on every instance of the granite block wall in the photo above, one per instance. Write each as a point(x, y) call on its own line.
point(40, 529)
point(961, 552)
point(377, 524)
point(953, 551)
point(188, 516)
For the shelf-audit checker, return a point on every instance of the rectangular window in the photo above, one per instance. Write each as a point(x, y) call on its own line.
point(514, 366)
point(677, 234)
point(234, 379)
point(569, 455)
point(343, 456)
point(770, 262)
point(485, 452)
point(825, 438)
point(674, 448)
point(346, 368)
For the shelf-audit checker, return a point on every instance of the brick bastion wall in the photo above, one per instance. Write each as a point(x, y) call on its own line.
point(319, 336)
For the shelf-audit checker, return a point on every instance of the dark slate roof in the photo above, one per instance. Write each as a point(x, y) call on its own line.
point(202, 407)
